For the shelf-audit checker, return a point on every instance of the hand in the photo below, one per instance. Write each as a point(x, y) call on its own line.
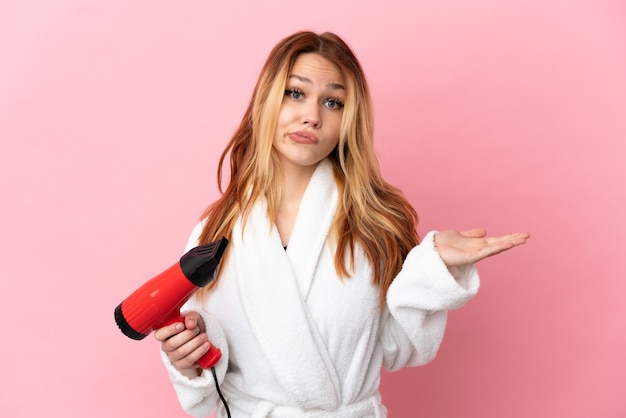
point(457, 248)
point(185, 343)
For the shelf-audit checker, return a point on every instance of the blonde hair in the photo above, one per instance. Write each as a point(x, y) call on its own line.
point(371, 213)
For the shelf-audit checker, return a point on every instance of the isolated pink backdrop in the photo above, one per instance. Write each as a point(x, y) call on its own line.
point(505, 114)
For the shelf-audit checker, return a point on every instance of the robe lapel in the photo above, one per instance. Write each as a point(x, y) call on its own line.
point(273, 288)
point(315, 215)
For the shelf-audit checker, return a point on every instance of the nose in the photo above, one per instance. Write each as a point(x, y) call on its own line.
point(311, 115)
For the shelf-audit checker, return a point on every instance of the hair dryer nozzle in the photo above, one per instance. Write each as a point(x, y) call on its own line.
point(200, 263)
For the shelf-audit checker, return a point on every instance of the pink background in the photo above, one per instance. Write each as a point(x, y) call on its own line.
point(505, 114)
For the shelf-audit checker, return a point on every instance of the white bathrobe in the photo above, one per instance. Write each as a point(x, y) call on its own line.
point(298, 341)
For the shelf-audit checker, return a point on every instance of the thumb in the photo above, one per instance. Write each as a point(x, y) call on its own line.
point(474, 233)
point(193, 319)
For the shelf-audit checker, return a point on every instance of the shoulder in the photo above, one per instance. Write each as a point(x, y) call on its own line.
point(195, 235)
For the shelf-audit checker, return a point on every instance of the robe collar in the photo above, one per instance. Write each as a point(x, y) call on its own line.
point(274, 285)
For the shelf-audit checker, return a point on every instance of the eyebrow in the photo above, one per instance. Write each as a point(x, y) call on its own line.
point(333, 84)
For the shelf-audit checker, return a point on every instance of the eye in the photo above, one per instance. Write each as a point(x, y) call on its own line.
point(333, 103)
point(294, 93)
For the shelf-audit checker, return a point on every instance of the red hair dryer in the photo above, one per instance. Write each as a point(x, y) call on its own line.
point(157, 303)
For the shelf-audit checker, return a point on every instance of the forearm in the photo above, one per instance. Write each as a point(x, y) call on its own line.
point(418, 301)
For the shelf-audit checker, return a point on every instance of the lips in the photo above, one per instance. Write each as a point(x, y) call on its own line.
point(303, 137)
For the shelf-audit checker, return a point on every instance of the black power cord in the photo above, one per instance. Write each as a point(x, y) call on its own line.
point(219, 392)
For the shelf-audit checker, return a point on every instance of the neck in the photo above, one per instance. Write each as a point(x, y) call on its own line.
point(296, 181)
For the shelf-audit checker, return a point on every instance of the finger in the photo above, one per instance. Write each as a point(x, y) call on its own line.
point(168, 331)
point(497, 245)
point(517, 238)
point(521, 237)
point(186, 356)
point(179, 340)
point(188, 347)
point(203, 346)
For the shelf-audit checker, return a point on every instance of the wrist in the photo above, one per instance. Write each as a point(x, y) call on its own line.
point(191, 373)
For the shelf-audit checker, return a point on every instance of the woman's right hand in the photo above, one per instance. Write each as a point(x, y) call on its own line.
point(185, 343)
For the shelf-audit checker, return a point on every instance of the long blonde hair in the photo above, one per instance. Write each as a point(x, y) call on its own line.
point(371, 212)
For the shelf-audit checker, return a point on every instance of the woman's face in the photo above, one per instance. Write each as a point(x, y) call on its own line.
point(309, 119)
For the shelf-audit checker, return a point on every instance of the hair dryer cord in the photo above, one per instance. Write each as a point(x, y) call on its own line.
point(219, 392)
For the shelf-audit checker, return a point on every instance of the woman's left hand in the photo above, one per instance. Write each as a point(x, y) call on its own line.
point(458, 248)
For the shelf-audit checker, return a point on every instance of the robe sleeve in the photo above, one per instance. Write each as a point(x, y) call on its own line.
point(198, 396)
point(418, 301)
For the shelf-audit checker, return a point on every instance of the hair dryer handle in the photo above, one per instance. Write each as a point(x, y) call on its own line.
point(211, 357)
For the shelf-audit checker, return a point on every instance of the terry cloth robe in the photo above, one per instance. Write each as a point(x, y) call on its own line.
point(299, 342)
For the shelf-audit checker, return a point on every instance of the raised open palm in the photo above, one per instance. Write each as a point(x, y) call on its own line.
point(457, 248)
